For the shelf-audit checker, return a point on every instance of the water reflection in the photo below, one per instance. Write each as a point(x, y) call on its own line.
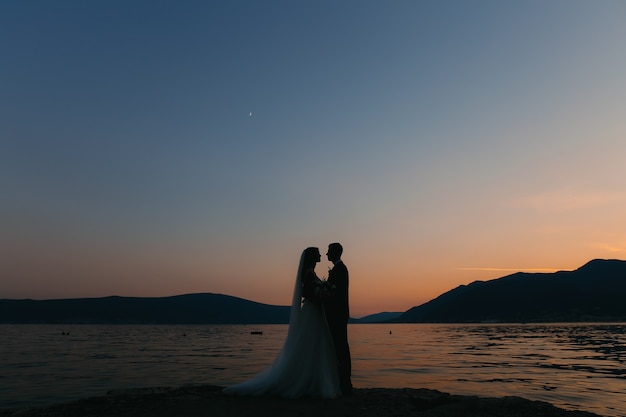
point(573, 366)
point(576, 366)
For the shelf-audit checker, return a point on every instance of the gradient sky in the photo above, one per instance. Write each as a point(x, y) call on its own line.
point(154, 148)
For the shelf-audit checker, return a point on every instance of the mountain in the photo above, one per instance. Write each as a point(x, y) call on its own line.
point(594, 292)
point(379, 317)
point(181, 309)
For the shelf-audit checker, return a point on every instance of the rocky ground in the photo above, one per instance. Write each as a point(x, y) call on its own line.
point(208, 400)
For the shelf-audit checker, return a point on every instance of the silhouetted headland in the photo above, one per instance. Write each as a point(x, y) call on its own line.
point(594, 292)
point(591, 293)
point(181, 309)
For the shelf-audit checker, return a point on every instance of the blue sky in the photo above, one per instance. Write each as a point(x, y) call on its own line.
point(159, 147)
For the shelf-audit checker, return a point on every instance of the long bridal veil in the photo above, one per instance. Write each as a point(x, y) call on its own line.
point(306, 364)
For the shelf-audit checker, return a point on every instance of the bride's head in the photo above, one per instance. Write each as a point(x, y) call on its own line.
point(310, 257)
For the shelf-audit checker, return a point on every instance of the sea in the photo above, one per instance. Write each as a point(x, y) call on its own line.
point(573, 366)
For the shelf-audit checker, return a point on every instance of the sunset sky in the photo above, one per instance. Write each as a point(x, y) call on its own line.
point(155, 148)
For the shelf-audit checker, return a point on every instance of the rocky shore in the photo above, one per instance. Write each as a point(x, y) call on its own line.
point(208, 400)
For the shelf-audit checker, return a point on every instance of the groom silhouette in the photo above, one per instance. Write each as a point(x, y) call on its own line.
point(337, 314)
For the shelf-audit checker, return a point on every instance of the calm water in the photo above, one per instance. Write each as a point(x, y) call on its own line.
point(574, 366)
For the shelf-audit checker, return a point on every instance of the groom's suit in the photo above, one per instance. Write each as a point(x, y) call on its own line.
point(337, 314)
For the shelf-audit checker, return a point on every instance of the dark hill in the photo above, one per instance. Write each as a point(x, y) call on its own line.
point(383, 317)
point(181, 309)
point(594, 292)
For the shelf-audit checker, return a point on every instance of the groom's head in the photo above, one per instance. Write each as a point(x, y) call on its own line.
point(334, 252)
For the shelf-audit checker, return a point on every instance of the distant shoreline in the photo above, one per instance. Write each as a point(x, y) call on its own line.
point(593, 293)
point(203, 400)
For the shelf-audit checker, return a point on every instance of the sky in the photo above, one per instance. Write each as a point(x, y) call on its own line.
point(156, 148)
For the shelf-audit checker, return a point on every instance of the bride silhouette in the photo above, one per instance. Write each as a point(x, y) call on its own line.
point(306, 365)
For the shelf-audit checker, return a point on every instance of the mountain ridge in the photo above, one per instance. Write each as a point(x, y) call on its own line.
point(593, 292)
point(197, 308)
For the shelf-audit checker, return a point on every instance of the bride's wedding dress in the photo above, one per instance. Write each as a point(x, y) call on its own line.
point(306, 364)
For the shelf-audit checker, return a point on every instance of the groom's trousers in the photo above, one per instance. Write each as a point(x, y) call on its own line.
point(339, 333)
